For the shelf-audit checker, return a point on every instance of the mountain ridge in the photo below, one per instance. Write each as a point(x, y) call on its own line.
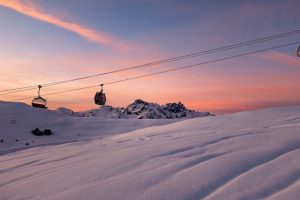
point(140, 109)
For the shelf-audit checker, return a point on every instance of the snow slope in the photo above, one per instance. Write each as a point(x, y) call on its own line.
point(18, 119)
point(247, 155)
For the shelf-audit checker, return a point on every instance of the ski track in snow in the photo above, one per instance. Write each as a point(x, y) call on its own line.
point(247, 155)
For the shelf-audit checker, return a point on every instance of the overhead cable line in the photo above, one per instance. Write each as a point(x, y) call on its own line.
point(200, 53)
point(169, 70)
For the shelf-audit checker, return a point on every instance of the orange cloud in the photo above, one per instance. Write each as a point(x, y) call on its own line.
point(30, 9)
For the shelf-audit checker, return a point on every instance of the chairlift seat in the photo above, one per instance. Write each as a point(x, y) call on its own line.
point(298, 52)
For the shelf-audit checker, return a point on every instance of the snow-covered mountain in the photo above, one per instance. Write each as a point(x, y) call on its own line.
point(140, 109)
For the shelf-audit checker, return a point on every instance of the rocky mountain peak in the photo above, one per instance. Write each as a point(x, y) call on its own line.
point(141, 109)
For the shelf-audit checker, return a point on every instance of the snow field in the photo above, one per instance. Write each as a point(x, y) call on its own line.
point(248, 155)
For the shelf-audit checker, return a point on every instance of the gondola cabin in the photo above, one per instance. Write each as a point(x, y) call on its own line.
point(39, 102)
point(100, 97)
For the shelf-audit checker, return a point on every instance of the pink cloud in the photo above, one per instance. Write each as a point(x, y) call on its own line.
point(282, 58)
point(30, 9)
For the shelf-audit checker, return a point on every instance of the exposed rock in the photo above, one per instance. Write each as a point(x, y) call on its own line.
point(140, 109)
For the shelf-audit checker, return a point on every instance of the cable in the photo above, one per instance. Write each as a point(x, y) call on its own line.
point(170, 70)
point(32, 88)
point(210, 51)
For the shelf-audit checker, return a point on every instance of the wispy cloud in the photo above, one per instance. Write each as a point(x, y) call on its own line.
point(282, 58)
point(31, 9)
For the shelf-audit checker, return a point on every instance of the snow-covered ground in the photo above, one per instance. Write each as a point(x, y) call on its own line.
point(247, 155)
point(18, 119)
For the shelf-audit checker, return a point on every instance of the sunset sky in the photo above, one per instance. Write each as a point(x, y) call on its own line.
point(44, 41)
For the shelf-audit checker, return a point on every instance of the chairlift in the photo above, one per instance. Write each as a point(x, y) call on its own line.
point(39, 102)
point(100, 97)
point(298, 52)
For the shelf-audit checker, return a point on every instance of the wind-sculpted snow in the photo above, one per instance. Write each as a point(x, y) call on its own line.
point(248, 155)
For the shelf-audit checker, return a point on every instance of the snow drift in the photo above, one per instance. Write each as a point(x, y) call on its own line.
point(248, 155)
